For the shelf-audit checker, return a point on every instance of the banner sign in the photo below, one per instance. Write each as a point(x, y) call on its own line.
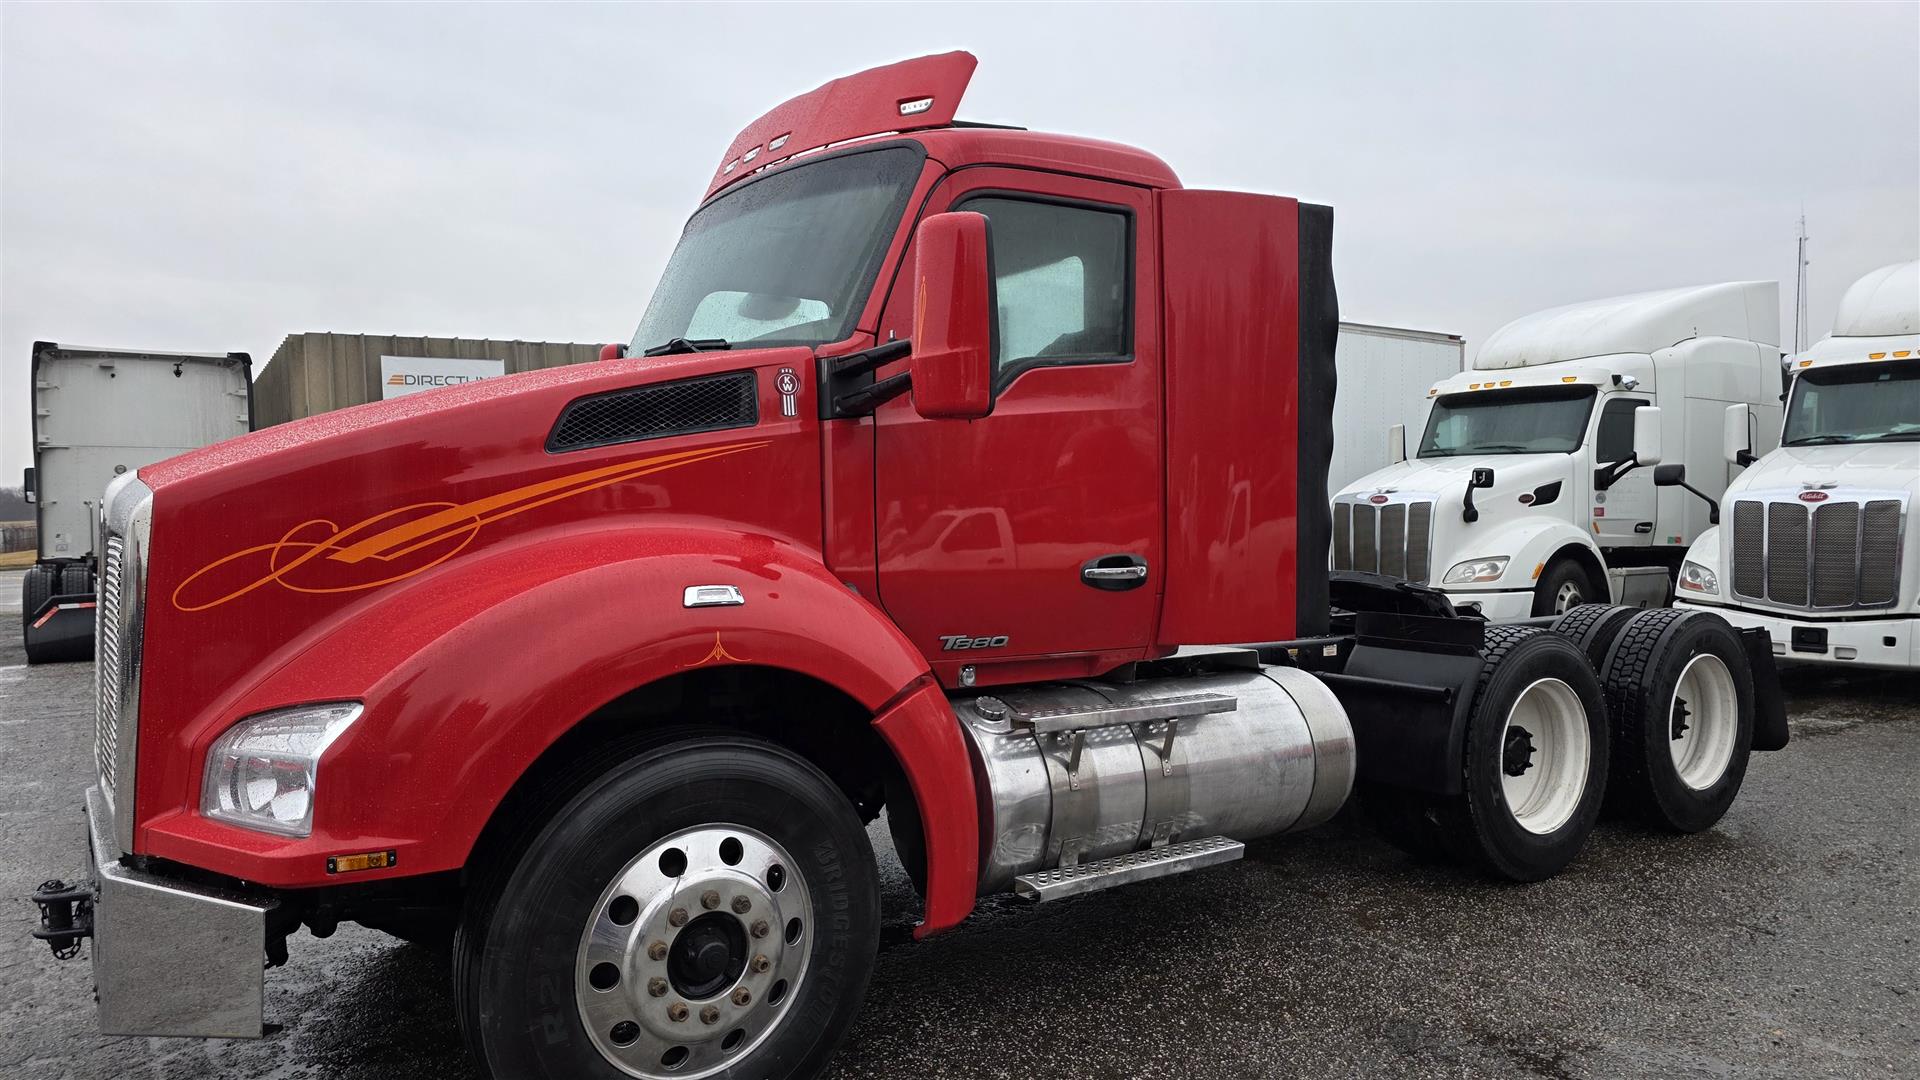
point(403, 375)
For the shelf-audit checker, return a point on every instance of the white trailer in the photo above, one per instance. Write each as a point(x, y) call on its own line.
point(1527, 494)
point(1383, 371)
point(1817, 544)
point(99, 414)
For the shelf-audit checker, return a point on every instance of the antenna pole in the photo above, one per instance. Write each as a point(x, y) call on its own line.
point(1800, 289)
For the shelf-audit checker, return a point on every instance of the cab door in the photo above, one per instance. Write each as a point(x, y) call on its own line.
point(1062, 480)
point(1622, 514)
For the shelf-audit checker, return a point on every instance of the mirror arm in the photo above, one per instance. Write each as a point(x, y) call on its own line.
point(855, 364)
point(1713, 508)
point(863, 401)
point(1605, 476)
point(1745, 458)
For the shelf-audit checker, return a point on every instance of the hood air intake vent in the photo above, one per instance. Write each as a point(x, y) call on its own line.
point(708, 403)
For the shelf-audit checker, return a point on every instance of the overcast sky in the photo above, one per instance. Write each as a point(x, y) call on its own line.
point(215, 177)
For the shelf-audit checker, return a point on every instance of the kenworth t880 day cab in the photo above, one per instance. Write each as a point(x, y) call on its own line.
point(1816, 544)
point(956, 469)
point(1531, 490)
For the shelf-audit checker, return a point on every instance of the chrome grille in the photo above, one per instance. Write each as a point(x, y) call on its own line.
point(107, 615)
point(1787, 553)
point(1394, 538)
point(1842, 552)
point(1880, 554)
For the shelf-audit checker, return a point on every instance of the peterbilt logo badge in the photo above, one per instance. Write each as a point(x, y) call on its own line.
point(1813, 496)
point(789, 386)
point(1376, 499)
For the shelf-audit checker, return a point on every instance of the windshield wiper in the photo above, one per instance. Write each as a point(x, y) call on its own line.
point(1897, 436)
point(1492, 446)
point(1820, 440)
point(684, 345)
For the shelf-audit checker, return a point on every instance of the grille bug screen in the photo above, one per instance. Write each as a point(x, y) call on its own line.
point(709, 403)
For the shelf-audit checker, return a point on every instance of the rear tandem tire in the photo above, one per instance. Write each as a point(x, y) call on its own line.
point(1538, 709)
point(76, 579)
point(36, 588)
point(554, 975)
point(1680, 692)
point(1594, 627)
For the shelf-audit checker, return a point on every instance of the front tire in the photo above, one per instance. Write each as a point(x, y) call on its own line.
point(707, 908)
point(1563, 587)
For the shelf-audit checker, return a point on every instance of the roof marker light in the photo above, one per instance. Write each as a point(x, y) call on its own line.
point(915, 106)
point(728, 167)
point(1804, 363)
point(1902, 354)
point(1876, 356)
point(779, 142)
point(1506, 382)
point(1569, 378)
point(751, 154)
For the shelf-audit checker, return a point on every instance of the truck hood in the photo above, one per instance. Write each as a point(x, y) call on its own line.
point(263, 544)
point(1447, 476)
point(1886, 466)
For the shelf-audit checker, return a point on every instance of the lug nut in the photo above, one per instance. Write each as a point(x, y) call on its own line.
point(761, 964)
point(741, 905)
point(677, 1012)
point(710, 1014)
point(742, 996)
point(759, 928)
point(710, 899)
point(657, 951)
point(677, 917)
point(657, 986)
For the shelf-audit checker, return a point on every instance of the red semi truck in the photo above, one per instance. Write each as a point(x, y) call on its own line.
point(962, 472)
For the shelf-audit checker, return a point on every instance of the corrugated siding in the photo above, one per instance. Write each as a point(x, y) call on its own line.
point(320, 372)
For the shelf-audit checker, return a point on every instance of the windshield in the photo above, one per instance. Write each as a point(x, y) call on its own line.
point(1536, 420)
point(1855, 403)
point(786, 259)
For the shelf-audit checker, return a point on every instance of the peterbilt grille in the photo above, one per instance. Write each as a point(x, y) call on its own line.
point(1394, 538)
point(709, 403)
point(108, 613)
point(1838, 552)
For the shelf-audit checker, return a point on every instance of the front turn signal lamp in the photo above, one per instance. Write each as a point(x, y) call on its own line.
point(1474, 570)
point(1699, 579)
point(262, 773)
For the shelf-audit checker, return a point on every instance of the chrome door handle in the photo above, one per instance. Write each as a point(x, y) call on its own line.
point(1114, 573)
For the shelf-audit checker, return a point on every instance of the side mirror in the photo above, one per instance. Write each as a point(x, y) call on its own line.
point(952, 318)
point(1736, 435)
point(1675, 475)
point(614, 351)
point(1479, 478)
point(1396, 444)
point(1646, 435)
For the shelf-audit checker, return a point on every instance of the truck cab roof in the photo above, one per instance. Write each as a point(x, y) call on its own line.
point(1641, 323)
point(1878, 320)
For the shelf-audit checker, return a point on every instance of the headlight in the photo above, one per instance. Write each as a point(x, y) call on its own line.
point(1476, 570)
point(1697, 578)
point(261, 773)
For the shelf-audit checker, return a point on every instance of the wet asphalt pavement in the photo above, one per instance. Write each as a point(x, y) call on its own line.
point(1782, 943)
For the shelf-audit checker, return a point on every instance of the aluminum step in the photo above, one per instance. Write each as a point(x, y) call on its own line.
point(1126, 869)
point(1086, 717)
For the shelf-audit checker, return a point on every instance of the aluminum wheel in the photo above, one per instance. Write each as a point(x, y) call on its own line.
point(1567, 598)
point(1703, 722)
point(693, 952)
point(1546, 751)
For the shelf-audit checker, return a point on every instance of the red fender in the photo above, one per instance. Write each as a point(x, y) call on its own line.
point(469, 674)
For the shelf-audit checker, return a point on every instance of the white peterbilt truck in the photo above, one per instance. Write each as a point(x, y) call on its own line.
point(1531, 490)
point(1817, 545)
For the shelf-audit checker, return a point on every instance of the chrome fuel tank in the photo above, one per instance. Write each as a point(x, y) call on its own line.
point(1080, 771)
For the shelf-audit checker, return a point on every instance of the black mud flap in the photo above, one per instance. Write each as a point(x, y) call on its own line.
point(61, 629)
point(1408, 690)
point(1769, 701)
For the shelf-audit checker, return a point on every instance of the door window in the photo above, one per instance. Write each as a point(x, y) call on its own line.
point(1614, 441)
point(1061, 282)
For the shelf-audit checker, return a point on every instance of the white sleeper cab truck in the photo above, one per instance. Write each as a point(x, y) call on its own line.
point(1817, 542)
point(1532, 488)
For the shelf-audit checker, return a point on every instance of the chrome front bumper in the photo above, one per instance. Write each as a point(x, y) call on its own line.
point(169, 957)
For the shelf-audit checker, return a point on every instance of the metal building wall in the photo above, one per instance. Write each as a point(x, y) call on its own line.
point(318, 372)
